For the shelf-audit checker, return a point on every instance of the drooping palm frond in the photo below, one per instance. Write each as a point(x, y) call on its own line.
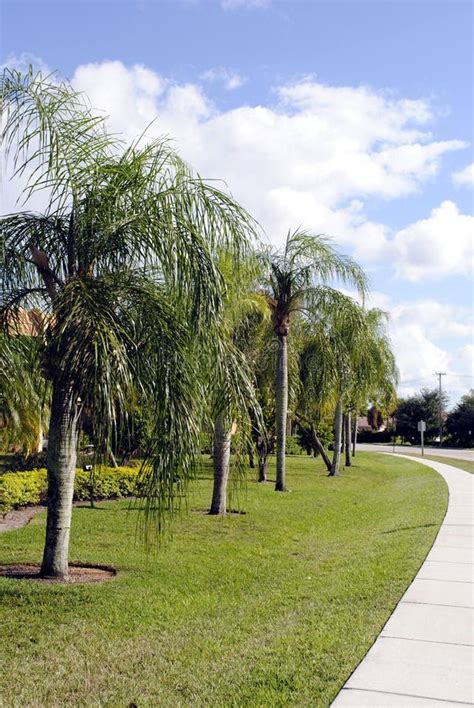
point(125, 264)
point(50, 133)
point(23, 393)
point(375, 373)
point(347, 352)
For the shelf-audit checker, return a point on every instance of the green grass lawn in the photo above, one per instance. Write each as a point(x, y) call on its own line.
point(270, 608)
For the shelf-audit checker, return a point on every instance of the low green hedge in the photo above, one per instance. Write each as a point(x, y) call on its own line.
point(22, 489)
point(28, 488)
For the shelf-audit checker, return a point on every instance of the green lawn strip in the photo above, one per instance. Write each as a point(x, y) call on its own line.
point(273, 607)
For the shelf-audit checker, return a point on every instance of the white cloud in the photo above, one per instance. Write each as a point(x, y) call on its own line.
point(418, 331)
point(441, 244)
point(229, 78)
point(128, 96)
point(441, 320)
point(417, 357)
point(23, 61)
point(464, 177)
point(313, 158)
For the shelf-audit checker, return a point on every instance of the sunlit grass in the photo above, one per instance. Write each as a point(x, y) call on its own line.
point(272, 607)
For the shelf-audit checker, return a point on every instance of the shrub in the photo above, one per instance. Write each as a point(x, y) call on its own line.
point(382, 436)
point(28, 488)
point(22, 489)
point(293, 446)
point(106, 483)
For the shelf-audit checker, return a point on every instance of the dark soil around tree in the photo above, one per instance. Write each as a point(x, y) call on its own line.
point(77, 573)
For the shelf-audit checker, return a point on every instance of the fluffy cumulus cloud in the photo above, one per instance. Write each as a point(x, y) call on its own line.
point(465, 177)
point(438, 245)
point(313, 157)
point(227, 77)
point(427, 337)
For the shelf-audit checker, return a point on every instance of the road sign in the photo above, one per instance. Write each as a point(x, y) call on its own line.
point(422, 428)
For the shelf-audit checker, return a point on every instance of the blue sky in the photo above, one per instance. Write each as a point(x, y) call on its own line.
point(350, 118)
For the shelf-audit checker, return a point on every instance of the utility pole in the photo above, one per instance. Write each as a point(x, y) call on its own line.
point(439, 374)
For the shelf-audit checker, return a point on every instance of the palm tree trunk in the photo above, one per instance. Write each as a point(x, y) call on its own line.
point(262, 468)
point(347, 440)
point(262, 453)
point(354, 438)
point(281, 395)
point(222, 437)
point(320, 447)
point(252, 456)
point(62, 454)
point(337, 439)
point(40, 438)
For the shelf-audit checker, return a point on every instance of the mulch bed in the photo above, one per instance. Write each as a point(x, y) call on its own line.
point(77, 573)
point(18, 517)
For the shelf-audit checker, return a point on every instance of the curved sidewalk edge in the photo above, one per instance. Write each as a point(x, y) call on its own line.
point(424, 655)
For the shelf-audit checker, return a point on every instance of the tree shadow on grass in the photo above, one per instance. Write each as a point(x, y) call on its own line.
point(410, 528)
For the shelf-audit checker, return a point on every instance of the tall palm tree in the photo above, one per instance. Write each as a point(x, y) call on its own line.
point(122, 261)
point(296, 282)
point(326, 360)
point(361, 364)
point(315, 399)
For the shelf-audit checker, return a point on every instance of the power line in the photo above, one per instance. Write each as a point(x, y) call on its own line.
point(428, 378)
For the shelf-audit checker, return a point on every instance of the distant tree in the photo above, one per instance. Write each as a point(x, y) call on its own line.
point(296, 283)
point(460, 422)
point(374, 418)
point(421, 406)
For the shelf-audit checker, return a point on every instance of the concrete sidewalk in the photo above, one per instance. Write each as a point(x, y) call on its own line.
point(415, 450)
point(424, 655)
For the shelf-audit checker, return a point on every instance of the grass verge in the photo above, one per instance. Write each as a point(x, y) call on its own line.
point(272, 607)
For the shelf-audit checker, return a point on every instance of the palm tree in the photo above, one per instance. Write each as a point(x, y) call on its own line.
point(364, 365)
point(297, 281)
point(374, 375)
point(315, 399)
point(231, 386)
point(122, 261)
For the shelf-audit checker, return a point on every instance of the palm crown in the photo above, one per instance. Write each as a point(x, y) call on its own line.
point(123, 261)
